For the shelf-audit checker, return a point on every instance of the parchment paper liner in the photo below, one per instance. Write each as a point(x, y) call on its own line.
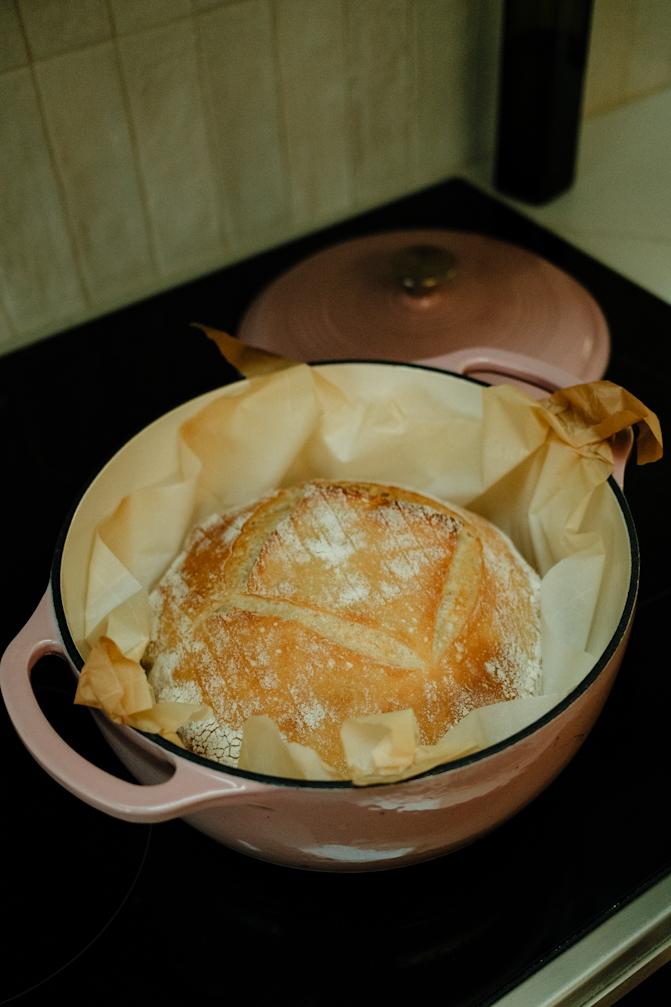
point(537, 470)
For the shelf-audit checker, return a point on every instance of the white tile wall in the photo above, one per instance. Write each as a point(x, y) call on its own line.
point(13, 51)
point(160, 72)
point(55, 26)
point(380, 73)
point(449, 81)
point(6, 331)
point(133, 15)
point(89, 132)
point(313, 83)
point(610, 46)
point(147, 141)
point(199, 5)
point(630, 52)
point(649, 66)
point(237, 44)
point(39, 282)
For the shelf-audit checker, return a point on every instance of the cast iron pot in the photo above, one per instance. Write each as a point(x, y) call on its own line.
point(330, 825)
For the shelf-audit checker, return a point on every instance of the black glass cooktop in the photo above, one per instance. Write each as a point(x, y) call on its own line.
point(98, 910)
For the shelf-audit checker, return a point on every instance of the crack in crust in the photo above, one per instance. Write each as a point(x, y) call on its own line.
point(335, 599)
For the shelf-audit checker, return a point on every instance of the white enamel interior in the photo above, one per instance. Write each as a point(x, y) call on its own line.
point(153, 451)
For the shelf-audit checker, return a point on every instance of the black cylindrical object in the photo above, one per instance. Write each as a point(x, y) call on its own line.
point(544, 55)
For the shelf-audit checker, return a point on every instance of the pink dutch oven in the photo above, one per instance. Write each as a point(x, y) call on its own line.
point(330, 825)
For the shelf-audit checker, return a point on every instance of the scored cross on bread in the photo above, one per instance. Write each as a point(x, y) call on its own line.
point(332, 600)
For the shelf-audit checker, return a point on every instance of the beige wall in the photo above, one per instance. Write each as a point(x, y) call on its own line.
point(630, 52)
point(145, 142)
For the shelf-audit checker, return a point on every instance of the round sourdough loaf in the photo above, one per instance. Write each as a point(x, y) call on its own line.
point(331, 600)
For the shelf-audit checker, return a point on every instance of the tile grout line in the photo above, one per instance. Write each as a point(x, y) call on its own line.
point(209, 154)
point(59, 180)
point(132, 134)
point(288, 186)
point(26, 40)
point(362, 200)
point(140, 29)
point(355, 201)
point(347, 108)
point(24, 37)
point(413, 96)
point(9, 328)
point(225, 222)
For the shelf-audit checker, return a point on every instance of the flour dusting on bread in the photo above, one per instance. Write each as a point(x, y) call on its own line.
point(330, 600)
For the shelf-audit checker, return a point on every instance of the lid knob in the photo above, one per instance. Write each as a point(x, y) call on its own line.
point(420, 269)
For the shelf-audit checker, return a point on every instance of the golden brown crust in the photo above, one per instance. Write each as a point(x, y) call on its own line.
point(337, 599)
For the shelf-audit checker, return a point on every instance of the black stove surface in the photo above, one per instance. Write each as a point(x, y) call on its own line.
point(109, 912)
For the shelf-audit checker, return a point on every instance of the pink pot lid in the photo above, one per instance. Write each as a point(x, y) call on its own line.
point(417, 294)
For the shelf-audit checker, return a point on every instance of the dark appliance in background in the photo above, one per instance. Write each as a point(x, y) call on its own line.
point(542, 73)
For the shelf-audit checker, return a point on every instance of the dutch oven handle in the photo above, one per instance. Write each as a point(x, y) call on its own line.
point(187, 790)
point(539, 379)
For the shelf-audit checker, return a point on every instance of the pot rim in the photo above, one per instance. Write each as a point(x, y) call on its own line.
point(460, 763)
